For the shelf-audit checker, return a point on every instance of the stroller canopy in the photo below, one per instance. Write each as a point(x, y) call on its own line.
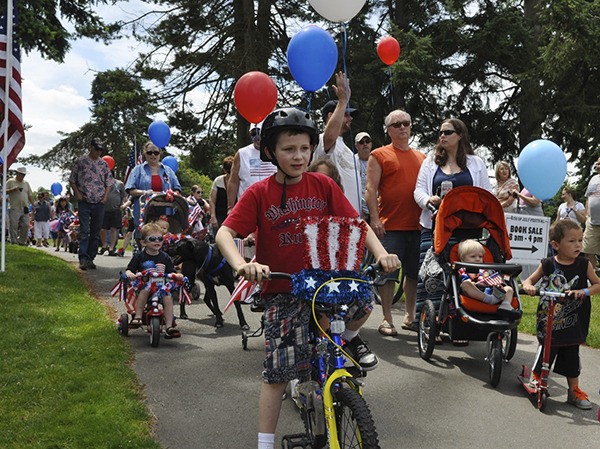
point(469, 207)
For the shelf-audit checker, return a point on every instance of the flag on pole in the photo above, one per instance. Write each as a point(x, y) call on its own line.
point(495, 279)
point(16, 133)
point(131, 162)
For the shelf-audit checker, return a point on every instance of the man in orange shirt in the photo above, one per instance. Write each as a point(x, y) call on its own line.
point(391, 177)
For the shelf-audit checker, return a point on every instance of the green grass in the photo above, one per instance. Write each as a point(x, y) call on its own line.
point(65, 375)
point(529, 312)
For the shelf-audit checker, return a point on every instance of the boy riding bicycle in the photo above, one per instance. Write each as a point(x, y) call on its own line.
point(273, 207)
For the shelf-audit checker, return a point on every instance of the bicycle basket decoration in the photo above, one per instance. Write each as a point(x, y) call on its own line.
point(333, 251)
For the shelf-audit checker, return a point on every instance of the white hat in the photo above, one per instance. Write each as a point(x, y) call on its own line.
point(22, 170)
point(360, 136)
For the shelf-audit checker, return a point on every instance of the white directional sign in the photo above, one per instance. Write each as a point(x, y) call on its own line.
point(528, 237)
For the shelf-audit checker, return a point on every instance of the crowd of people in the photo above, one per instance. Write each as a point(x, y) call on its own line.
point(396, 188)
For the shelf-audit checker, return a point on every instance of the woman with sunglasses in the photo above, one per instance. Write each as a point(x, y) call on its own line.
point(150, 177)
point(452, 163)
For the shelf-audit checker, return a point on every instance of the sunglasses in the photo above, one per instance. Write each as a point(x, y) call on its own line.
point(447, 132)
point(364, 141)
point(154, 239)
point(405, 123)
point(152, 153)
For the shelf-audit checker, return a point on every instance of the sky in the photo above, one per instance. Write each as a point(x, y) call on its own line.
point(56, 96)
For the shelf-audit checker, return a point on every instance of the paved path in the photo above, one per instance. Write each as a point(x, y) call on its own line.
point(203, 388)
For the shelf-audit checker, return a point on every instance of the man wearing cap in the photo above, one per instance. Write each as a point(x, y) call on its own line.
point(338, 119)
point(247, 168)
point(91, 182)
point(363, 145)
point(21, 197)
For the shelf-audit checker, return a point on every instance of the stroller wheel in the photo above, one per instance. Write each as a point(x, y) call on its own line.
point(428, 330)
point(495, 360)
point(511, 344)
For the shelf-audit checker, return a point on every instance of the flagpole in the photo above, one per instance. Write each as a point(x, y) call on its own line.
point(7, 78)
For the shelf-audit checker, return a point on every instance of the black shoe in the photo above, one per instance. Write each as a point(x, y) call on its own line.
point(83, 265)
point(102, 250)
point(91, 265)
point(112, 253)
point(361, 353)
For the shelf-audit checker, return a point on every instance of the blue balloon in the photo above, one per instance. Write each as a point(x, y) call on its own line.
point(542, 167)
point(171, 162)
point(56, 188)
point(159, 133)
point(312, 56)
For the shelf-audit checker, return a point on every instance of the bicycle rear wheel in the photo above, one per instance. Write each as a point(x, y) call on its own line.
point(355, 425)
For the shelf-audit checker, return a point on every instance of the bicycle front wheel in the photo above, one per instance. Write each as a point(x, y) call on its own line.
point(355, 425)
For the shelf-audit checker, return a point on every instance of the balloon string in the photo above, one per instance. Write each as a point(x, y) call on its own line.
point(356, 171)
point(391, 88)
point(308, 101)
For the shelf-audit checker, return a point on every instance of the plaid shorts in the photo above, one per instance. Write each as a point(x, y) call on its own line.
point(287, 348)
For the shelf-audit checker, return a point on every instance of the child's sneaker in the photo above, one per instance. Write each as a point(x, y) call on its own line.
point(579, 399)
point(359, 351)
point(534, 380)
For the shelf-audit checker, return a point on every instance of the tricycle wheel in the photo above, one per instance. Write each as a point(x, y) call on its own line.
point(154, 331)
point(124, 324)
point(427, 330)
point(495, 360)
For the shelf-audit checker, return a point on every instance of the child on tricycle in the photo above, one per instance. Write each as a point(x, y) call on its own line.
point(152, 259)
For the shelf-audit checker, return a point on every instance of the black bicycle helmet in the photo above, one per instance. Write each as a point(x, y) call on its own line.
point(281, 120)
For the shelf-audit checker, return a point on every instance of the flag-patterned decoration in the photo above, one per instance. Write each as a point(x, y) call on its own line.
point(334, 247)
point(494, 279)
point(132, 161)
point(334, 243)
point(16, 133)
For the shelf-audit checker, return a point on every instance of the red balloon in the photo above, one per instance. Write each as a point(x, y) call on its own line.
point(388, 50)
point(255, 96)
point(110, 161)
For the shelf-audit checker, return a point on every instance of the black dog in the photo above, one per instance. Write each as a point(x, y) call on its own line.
point(204, 261)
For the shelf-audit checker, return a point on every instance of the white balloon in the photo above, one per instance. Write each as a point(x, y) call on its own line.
point(337, 10)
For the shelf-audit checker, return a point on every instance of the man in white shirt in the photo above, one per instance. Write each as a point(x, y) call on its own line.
point(338, 120)
point(247, 168)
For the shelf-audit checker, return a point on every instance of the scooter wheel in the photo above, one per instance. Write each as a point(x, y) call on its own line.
point(542, 400)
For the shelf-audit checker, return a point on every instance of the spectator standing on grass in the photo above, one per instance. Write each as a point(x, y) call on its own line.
point(41, 216)
point(91, 182)
point(570, 209)
point(21, 196)
point(591, 236)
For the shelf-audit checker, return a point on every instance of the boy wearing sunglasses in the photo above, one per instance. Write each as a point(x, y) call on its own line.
point(152, 258)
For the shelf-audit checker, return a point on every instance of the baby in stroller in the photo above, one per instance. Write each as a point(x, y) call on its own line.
point(485, 285)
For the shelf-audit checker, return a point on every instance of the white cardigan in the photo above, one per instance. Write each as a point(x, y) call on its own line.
point(424, 187)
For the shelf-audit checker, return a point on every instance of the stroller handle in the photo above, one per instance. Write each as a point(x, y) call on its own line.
point(504, 268)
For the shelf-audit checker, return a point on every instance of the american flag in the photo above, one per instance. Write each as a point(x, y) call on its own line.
point(132, 162)
point(16, 133)
point(495, 279)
